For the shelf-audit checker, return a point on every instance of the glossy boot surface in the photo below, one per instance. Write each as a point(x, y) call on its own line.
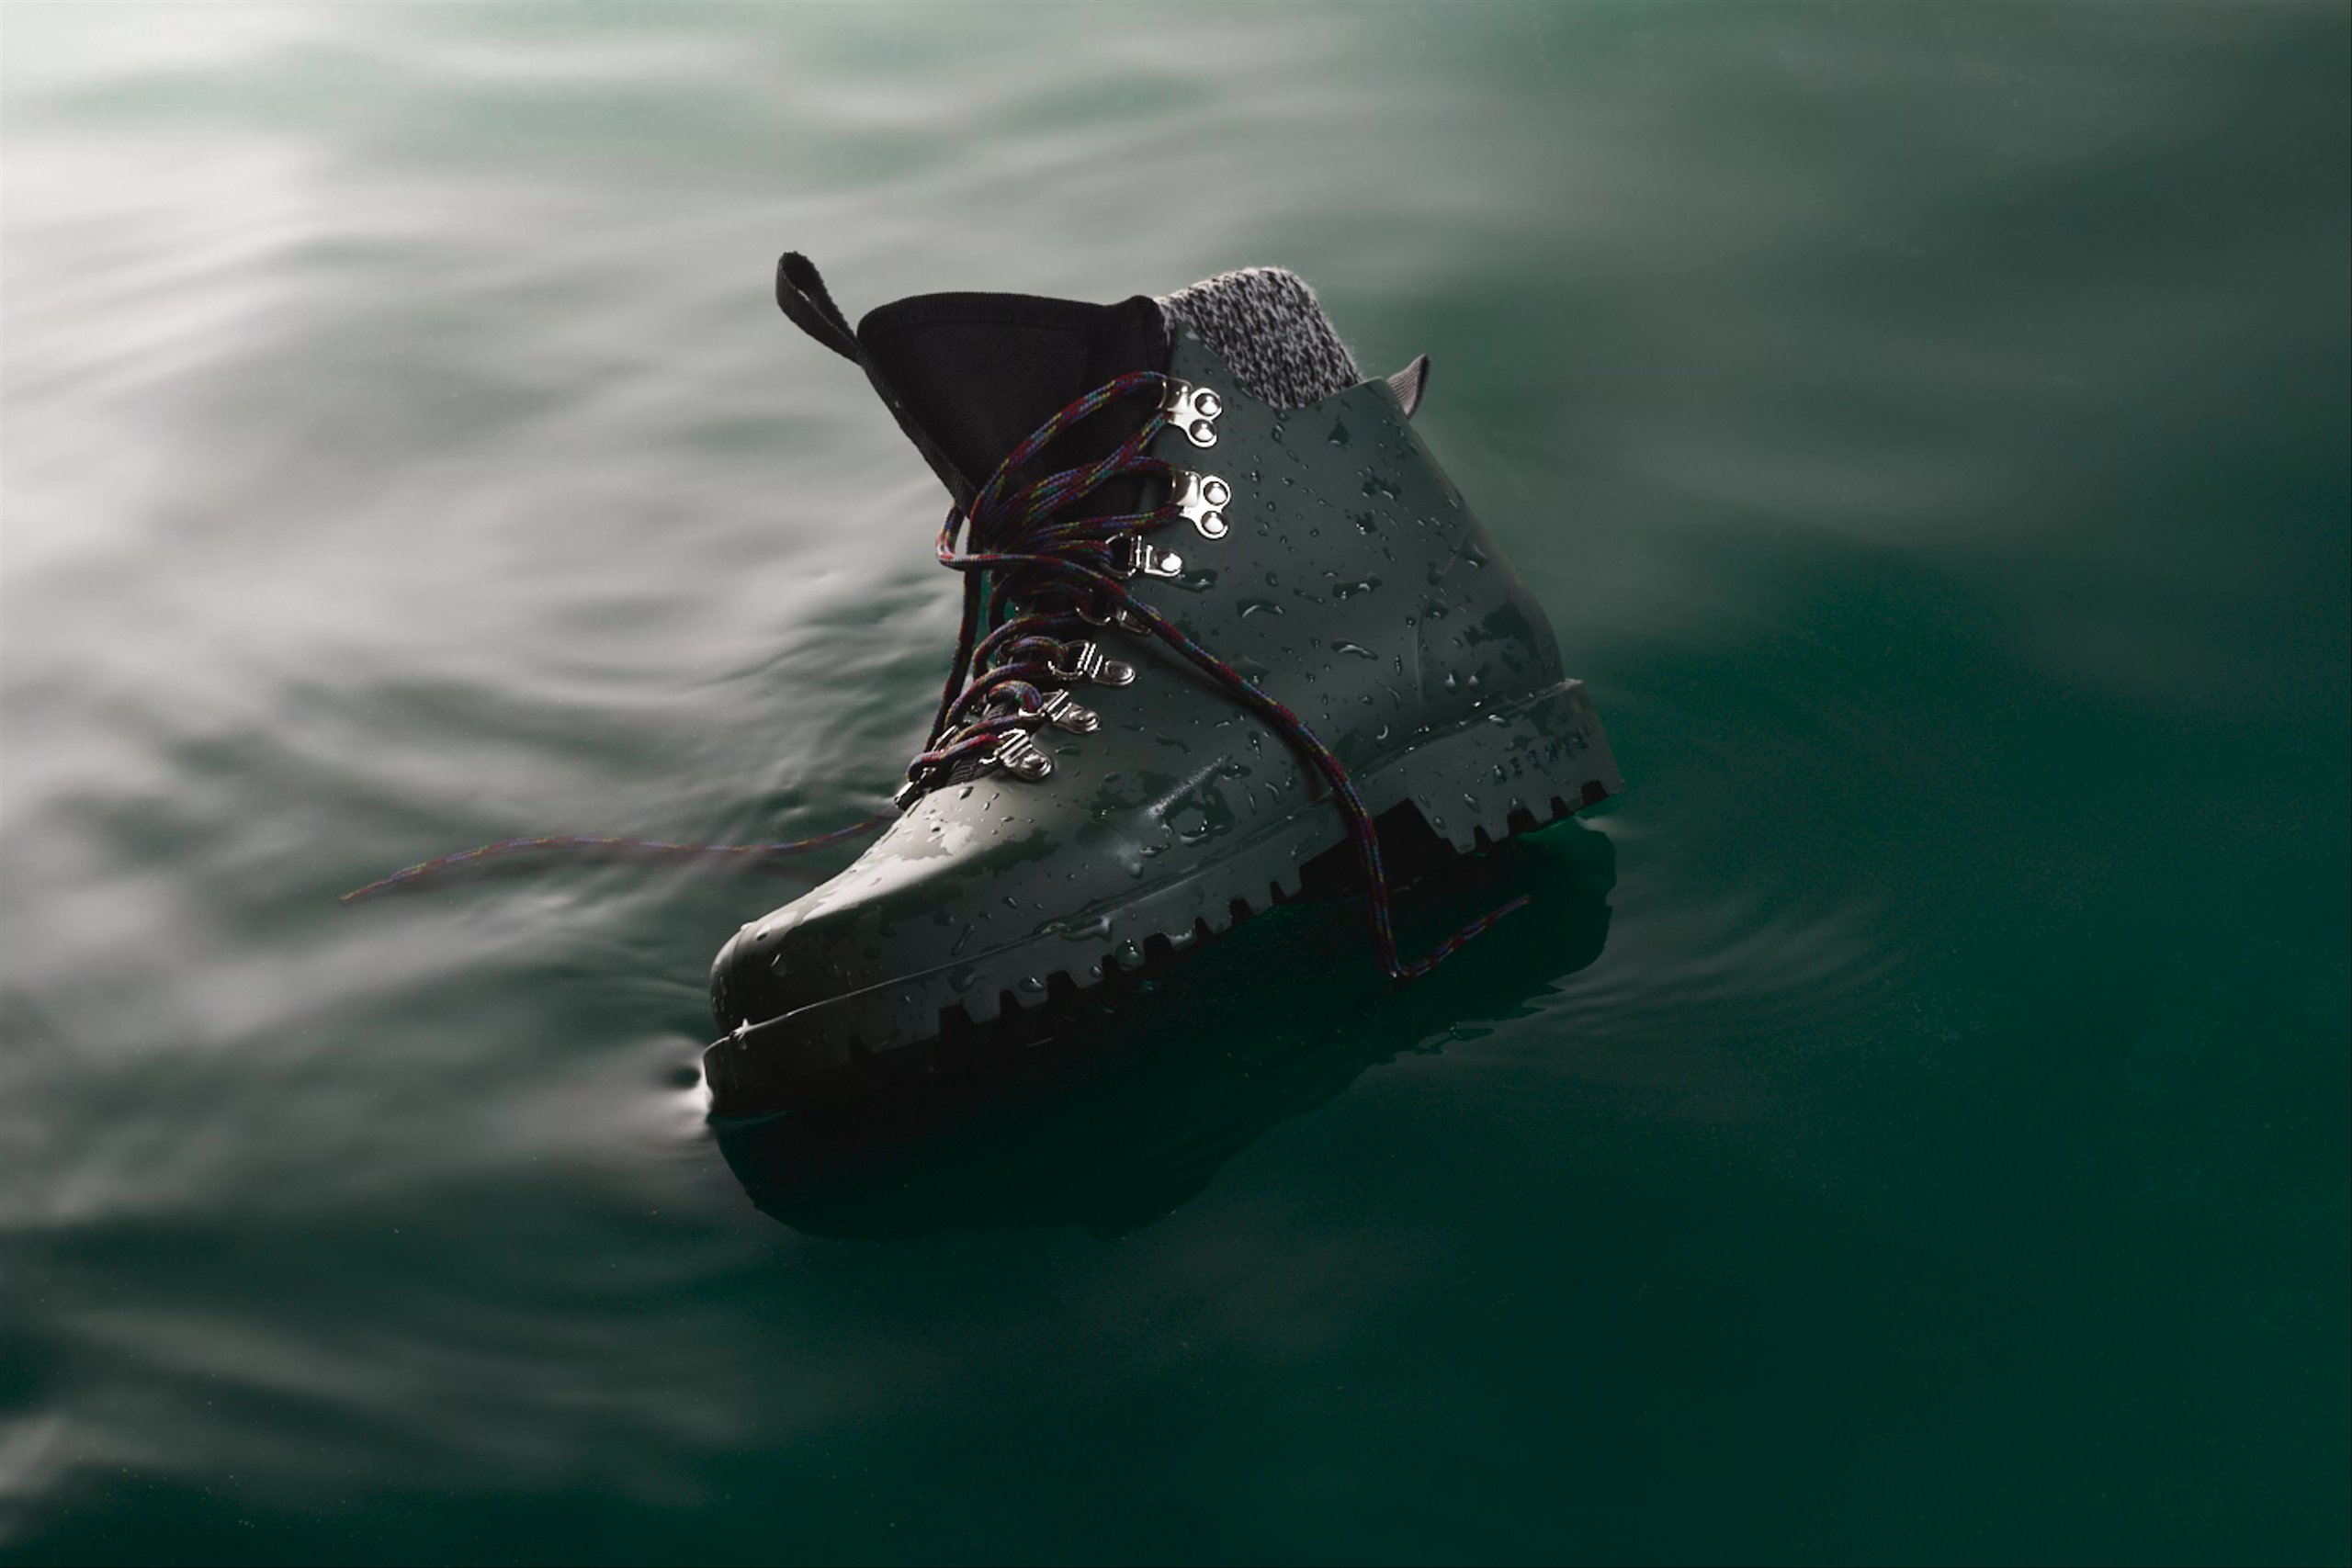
point(1343, 574)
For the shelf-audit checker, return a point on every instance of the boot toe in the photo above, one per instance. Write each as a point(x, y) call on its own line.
point(795, 957)
point(742, 987)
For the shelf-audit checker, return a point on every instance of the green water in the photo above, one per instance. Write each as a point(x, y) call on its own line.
point(1911, 1124)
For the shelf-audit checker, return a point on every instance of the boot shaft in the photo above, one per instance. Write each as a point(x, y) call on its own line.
point(1349, 578)
point(1329, 558)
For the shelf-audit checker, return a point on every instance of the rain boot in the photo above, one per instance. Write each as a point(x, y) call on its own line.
point(1224, 619)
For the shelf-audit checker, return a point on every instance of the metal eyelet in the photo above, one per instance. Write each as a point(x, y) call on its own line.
point(1201, 500)
point(1126, 620)
point(1061, 710)
point(1019, 754)
point(1133, 556)
point(1192, 410)
point(1087, 663)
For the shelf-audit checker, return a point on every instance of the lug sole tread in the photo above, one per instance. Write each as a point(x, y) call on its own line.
point(838, 1058)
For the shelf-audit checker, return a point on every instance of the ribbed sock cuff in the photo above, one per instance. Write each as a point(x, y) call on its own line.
point(1264, 321)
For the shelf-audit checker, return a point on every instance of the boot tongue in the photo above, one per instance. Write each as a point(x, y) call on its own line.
point(971, 376)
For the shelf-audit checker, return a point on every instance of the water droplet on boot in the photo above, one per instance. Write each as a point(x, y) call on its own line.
point(1338, 436)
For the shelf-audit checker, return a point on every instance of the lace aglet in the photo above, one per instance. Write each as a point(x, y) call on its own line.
point(1460, 938)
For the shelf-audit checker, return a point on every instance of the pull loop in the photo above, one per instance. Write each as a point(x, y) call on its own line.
point(1409, 383)
point(800, 292)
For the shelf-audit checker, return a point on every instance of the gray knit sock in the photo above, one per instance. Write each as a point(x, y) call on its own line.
point(1264, 322)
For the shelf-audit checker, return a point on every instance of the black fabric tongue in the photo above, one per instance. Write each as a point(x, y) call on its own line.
point(971, 376)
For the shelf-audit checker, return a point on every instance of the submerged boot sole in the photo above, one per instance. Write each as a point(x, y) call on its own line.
point(1507, 770)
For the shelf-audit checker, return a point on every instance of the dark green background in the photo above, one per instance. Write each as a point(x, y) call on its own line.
point(1912, 1122)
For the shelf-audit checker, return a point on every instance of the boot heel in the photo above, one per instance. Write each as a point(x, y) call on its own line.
point(1510, 770)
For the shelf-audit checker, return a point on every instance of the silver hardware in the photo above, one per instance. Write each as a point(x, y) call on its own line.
point(1019, 754)
point(1135, 557)
point(1062, 709)
point(1087, 663)
point(1126, 620)
point(1192, 410)
point(1202, 497)
point(903, 798)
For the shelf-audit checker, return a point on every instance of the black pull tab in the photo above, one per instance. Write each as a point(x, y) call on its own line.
point(802, 292)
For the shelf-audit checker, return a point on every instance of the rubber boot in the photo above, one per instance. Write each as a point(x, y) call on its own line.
point(1224, 612)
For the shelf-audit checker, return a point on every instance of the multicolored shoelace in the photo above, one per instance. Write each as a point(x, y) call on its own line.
point(1033, 581)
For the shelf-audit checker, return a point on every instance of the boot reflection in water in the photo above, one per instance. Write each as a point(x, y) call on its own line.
point(1223, 611)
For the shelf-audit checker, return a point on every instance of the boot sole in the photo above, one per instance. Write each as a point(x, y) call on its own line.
point(1509, 771)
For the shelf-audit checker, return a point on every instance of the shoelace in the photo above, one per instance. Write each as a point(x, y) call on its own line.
point(1048, 570)
point(1033, 585)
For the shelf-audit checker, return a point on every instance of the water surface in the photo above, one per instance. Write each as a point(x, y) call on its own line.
point(1911, 1122)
